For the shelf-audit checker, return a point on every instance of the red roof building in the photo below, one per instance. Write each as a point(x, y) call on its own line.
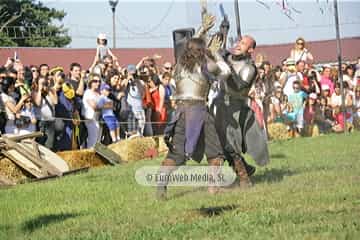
point(323, 51)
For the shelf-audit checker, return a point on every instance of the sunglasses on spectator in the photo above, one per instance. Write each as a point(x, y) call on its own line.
point(168, 68)
point(96, 80)
point(34, 70)
point(300, 43)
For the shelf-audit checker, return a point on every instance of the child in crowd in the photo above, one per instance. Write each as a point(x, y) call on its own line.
point(339, 125)
point(325, 118)
point(108, 113)
point(297, 99)
point(102, 49)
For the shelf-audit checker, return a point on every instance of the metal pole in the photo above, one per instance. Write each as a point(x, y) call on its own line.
point(114, 34)
point(338, 45)
point(237, 17)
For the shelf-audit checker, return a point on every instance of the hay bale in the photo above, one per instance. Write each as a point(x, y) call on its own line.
point(133, 149)
point(160, 144)
point(356, 123)
point(315, 131)
point(11, 171)
point(311, 130)
point(278, 131)
point(81, 158)
point(162, 147)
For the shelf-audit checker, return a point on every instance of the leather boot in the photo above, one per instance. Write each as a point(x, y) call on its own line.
point(249, 168)
point(215, 162)
point(167, 166)
point(241, 172)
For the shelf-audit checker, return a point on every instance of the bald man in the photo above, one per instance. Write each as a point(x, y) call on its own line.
point(236, 126)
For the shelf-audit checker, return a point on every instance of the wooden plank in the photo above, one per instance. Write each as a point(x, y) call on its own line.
point(49, 156)
point(106, 153)
point(36, 149)
point(30, 155)
point(24, 136)
point(42, 163)
point(44, 167)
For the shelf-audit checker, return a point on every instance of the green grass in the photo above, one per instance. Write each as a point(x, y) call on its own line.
point(310, 190)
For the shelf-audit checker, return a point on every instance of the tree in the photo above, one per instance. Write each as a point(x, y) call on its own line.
point(28, 23)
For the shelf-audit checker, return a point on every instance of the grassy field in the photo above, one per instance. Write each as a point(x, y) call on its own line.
point(310, 190)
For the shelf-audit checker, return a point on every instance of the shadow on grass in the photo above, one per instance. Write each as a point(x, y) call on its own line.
point(216, 211)
point(183, 193)
point(277, 155)
point(4, 228)
point(44, 220)
point(272, 175)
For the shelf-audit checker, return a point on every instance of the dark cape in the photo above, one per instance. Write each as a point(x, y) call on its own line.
point(238, 129)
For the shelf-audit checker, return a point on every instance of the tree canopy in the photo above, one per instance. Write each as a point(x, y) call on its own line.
point(28, 23)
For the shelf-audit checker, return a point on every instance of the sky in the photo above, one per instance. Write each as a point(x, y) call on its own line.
point(149, 24)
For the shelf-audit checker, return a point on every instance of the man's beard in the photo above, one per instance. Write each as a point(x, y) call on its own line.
point(240, 56)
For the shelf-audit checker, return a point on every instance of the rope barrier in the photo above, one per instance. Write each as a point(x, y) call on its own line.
point(86, 120)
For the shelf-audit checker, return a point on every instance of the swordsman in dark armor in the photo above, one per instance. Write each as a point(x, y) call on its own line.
point(236, 125)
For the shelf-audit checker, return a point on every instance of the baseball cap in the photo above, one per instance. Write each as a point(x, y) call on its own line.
point(326, 66)
point(102, 36)
point(105, 86)
point(290, 62)
point(131, 68)
point(167, 65)
point(56, 69)
point(325, 87)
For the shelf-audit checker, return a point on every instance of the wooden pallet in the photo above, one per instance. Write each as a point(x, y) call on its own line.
point(35, 159)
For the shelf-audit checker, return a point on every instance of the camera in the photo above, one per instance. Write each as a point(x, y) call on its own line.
point(22, 121)
point(132, 82)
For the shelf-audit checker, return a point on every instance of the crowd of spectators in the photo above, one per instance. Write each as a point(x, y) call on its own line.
point(108, 102)
point(303, 95)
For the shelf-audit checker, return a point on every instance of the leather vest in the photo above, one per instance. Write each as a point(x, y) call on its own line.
point(191, 85)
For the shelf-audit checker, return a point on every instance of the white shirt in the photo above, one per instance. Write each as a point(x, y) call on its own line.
point(87, 111)
point(336, 100)
point(6, 98)
point(291, 78)
point(44, 112)
point(301, 55)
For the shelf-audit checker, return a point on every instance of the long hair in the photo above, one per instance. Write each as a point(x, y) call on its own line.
point(194, 53)
point(6, 84)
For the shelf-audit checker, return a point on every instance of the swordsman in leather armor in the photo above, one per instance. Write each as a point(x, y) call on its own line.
point(194, 133)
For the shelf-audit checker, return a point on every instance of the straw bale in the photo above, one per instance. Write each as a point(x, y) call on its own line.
point(278, 131)
point(311, 130)
point(133, 149)
point(81, 158)
point(161, 145)
point(11, 171)
point(356, 123)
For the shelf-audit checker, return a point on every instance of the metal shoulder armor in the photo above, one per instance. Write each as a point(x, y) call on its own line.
point(248, 73)
point(243, 73)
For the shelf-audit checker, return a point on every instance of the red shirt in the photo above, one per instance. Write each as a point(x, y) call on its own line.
point(339, 118)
